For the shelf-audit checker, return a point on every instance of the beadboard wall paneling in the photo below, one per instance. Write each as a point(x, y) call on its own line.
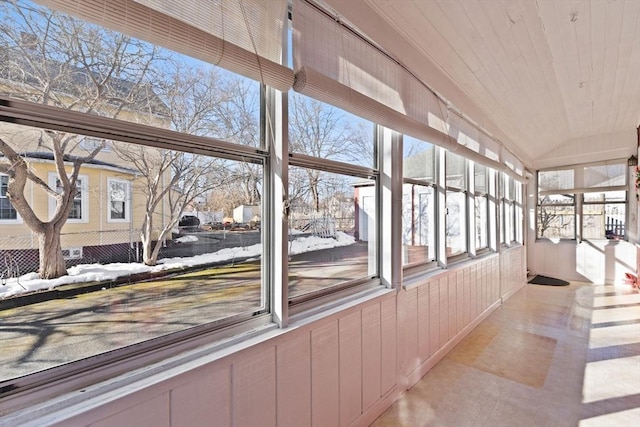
point(153, 412)
point(254, 388)
point(325, 375)
point(350, 339)
point(204, 400)
point(293, 361)
point(389, 345)
point(371, 356)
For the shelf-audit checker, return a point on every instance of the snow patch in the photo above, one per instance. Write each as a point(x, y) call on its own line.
point(98, 272)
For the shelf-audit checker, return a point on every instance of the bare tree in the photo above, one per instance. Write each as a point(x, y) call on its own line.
point(170, 181)
point(199, 101)
point(203, 101)
point(52, 59)
point(319, 130)
point(238, 116)
point(554, 213)
point(552, 217)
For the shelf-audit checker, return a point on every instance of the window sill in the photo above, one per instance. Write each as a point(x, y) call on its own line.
point(327, 308)
point(456, 259)
point(78, 381)
point(419, 269)
point(321, 303)
point(556, 241)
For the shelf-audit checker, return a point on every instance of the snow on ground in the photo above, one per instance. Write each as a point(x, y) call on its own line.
point(187, 238)
point(97, 272)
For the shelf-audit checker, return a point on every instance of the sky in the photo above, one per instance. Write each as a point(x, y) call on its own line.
point(97, 272)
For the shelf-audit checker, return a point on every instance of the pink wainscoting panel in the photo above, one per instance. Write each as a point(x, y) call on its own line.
point(466, 295)
point(473, 273)
point(409, 316)
point(434, 317)
point(325, 389)
point(350, 335)
point(371, 358)
point(254, 388)
point(443, 284)
point(154, 412)
point(389, 361)
point(453, 306)
point(293, 381)
point(424, 345)
point(458, 278)
point(204, 400)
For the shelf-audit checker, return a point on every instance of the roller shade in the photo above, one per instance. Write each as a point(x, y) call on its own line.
point(243, 36)
point(338, 66)
point(598, 177)
point(318, 86)
point(468, 135)
point(323, 46)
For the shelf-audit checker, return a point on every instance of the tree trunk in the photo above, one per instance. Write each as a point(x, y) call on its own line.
point(146, 238)
point(147, 249)
point(52, 263)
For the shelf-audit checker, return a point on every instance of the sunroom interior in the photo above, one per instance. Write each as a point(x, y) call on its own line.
point(303, 205)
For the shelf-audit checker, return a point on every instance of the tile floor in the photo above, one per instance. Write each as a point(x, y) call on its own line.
point(550, 356)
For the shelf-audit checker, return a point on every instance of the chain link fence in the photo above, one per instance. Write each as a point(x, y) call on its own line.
point(19, 255)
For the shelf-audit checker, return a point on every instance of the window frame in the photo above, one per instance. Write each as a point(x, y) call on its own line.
point(511, 211)
point(432, 262)
point(18, 392)
point(123, 359)
point(465, 217)
point(82, 183)
point(311, 299)
point(477, 193)
point(572, 205)
point(580, 186)
point(604, 203)
point(17, 219)
point(300, 304)
point(127, 201)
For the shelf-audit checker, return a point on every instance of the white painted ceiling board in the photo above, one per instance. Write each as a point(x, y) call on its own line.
point(537, 74)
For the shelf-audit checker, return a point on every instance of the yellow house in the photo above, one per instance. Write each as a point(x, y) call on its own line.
point(108, 210)
point(109, 207)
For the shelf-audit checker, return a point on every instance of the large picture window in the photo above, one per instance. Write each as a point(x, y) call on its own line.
point(163, 240)
point(205, 274)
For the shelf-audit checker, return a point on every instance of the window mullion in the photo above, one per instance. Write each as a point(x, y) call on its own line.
point(276, 135)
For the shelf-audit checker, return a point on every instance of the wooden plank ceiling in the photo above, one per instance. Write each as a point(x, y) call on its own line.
point(548, 78)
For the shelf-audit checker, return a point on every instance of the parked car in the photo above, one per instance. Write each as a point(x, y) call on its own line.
point(189, 223)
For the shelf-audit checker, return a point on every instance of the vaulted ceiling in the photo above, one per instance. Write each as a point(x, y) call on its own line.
point(556, 81)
